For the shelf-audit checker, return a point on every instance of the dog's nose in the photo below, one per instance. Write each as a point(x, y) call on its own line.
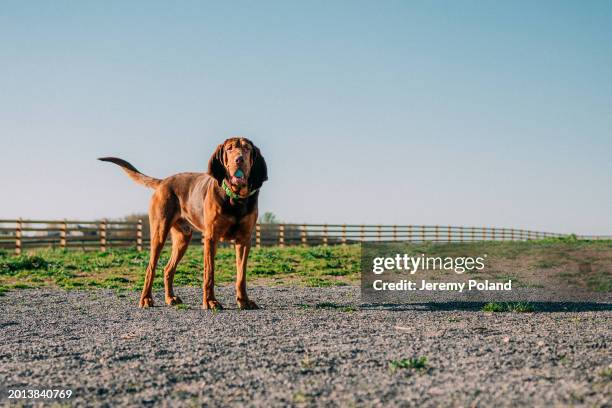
point(239, 159)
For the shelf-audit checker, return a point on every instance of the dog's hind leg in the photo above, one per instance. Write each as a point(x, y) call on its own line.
point(181, 235)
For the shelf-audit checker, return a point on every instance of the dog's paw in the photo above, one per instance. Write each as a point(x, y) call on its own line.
point(145, 302)
point(212, 305)
point(247, 305)
point(173, 300)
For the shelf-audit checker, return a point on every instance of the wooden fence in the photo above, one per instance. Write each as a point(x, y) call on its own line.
point(19, 235)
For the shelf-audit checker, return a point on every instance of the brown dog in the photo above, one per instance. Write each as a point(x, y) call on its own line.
point(221, 203)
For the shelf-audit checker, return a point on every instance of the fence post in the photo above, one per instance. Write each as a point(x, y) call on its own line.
point(395, 233)
point(422, 233)
point(362, 233)
point(472, 233)
point(437, 233)
point(139, 236)
point(281, 235)
point(18, 228)
point(448, 230)
point(325, 234)
point(379, 231)
point(343, 234)
point(410, 233)
point(63, 234)
point(303, 235)
point(103, 236)
point(258, 235)
point(512, 234)
point(484, 233)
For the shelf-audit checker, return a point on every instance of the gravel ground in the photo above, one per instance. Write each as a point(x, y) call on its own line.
point(109, 353)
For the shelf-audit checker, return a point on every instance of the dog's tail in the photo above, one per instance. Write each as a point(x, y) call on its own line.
point(133, 172)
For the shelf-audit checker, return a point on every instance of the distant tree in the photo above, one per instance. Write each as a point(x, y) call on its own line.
point(268, 218)
point(269, 228)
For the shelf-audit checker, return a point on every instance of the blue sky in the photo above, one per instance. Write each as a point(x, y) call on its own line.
point(433, 112)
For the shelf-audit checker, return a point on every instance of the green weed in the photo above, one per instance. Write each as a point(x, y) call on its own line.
point(518, 307)
point(415, 363)
point(493, 307)
point(606, 373)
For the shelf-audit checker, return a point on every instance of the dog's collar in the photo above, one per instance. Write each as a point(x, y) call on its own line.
point(233, 195)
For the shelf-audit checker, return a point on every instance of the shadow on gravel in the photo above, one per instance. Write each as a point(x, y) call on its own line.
point(548, 307)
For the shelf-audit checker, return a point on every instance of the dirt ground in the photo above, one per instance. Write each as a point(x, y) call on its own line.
point(305, 347)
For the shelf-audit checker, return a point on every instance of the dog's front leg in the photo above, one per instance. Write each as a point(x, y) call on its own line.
point(242, 255)
point(208, 297)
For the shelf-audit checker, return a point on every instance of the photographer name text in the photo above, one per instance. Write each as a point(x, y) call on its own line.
point(424, 285)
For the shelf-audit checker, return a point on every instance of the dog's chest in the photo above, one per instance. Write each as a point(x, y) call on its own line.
point(234, 214)
point(238, 209)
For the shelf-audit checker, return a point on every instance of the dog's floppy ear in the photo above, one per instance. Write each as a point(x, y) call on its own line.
point(259, 170)
point(216, 166)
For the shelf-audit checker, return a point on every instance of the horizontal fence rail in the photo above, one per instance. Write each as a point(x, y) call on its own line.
point(19, 235)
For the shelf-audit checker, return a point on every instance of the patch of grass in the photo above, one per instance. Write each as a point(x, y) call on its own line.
point(300, 397)
point(415, 363)
point(13, 264)
point(600, 283)
point(319, 252)
point(124, 268)
point(516, 307)
point(493, 307)
point(69, 284)
point(319, 266)
point(337, 272)
point(520, 307)
point(182, 306)
point(317, 282)
point(606, 373)
point(21, 286)
point(259, 271)
point(306, 363)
